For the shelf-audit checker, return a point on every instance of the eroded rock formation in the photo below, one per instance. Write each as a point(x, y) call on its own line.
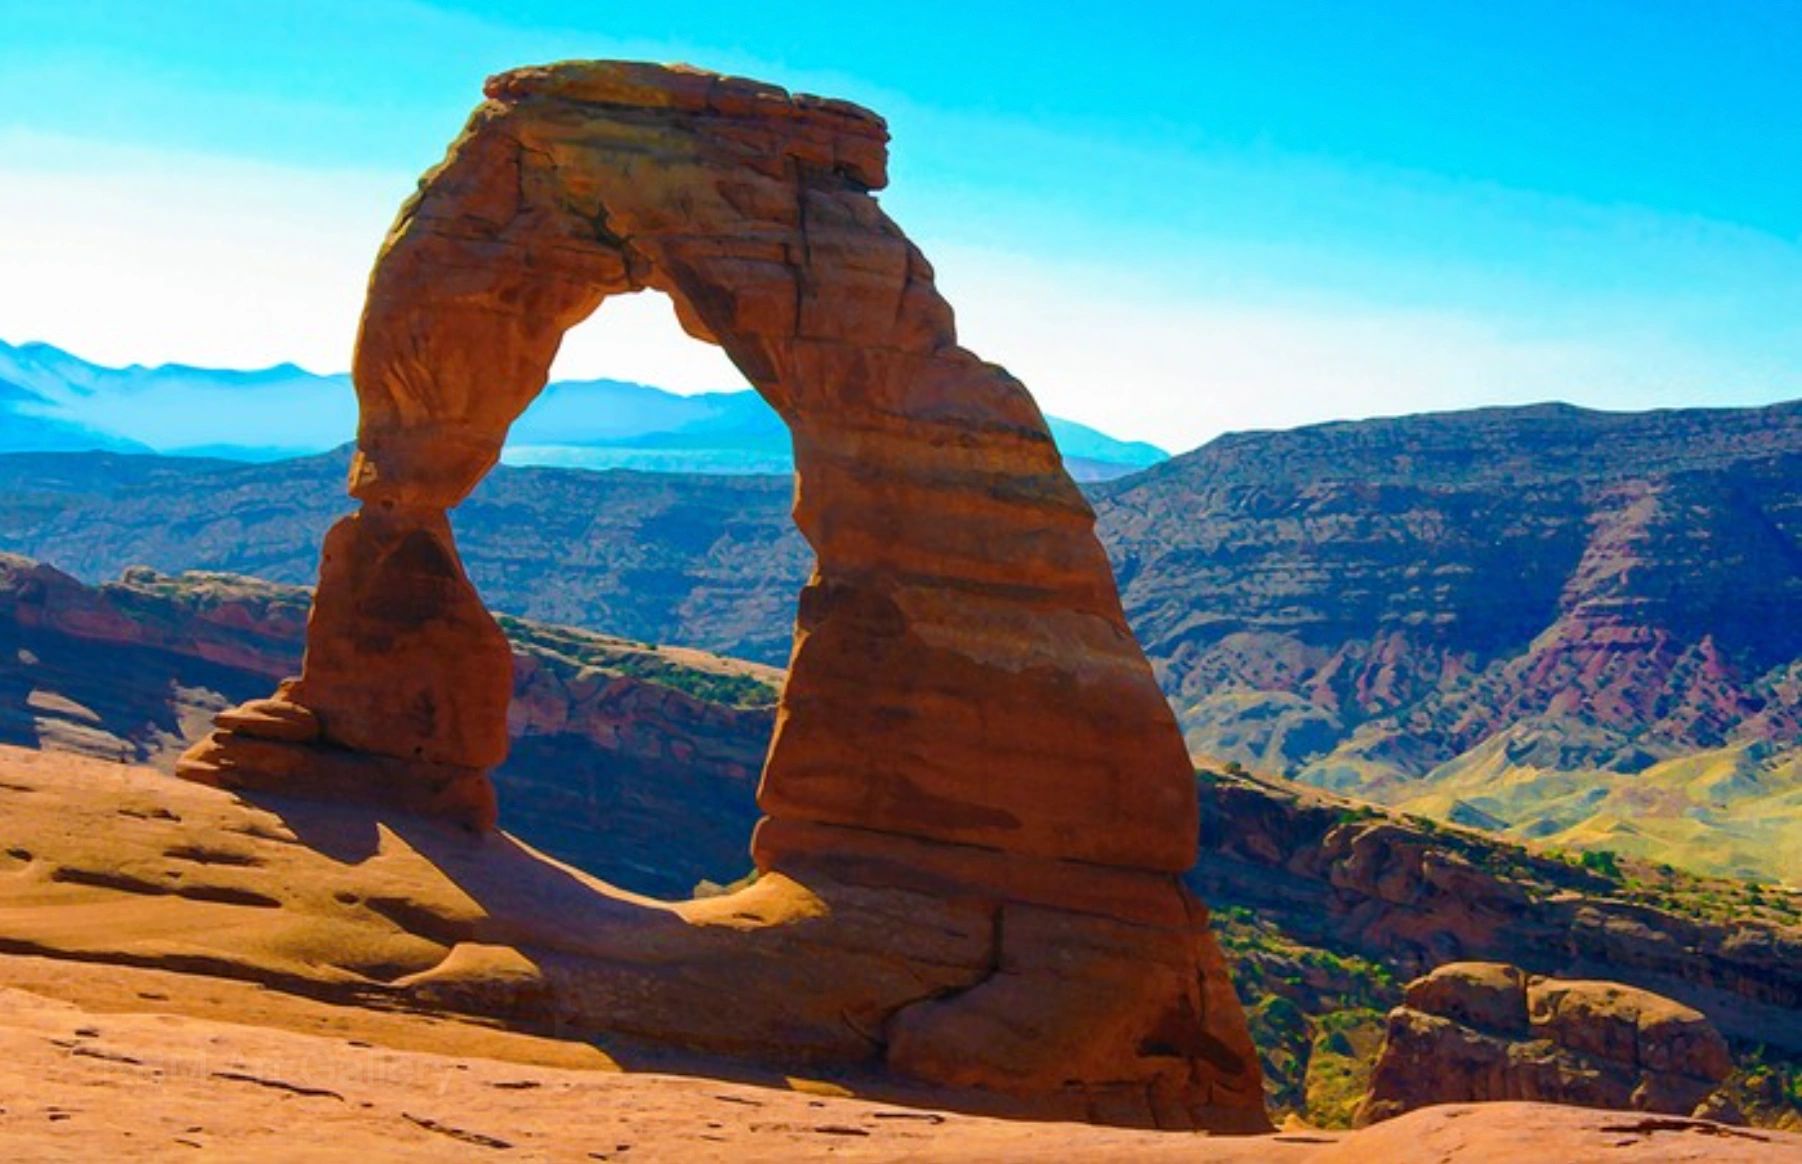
point(967, 718)
point(1487, 1031)
point(1340, 876)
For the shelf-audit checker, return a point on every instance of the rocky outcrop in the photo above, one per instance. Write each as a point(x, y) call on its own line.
point(1412, 895)
point(229, 621)
point(966, 716)
point(124, 672)
point(1484, 1031)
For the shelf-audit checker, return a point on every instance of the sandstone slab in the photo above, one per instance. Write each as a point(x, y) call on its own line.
point(99, 1062)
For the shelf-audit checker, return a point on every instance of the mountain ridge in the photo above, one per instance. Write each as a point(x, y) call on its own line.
point(182, 409)
point(1547, 618)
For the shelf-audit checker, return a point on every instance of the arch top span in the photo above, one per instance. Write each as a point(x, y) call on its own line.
point(966, 709)
point(583, 180)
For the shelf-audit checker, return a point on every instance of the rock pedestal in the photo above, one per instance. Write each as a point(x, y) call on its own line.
point(966, 711)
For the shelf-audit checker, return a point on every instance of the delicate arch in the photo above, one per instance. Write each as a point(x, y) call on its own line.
point(965, 705)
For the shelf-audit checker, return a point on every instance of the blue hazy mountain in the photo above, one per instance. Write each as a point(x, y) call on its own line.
point(262, 415)
point(29, 424)
point(52, 401)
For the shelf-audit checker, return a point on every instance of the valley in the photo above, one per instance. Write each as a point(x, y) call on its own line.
point(1469, 616)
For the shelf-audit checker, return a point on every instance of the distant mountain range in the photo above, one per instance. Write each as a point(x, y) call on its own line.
point(51, 401)
point(1551, 623)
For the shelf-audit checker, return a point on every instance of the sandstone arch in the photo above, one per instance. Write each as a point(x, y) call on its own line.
point(966, 714)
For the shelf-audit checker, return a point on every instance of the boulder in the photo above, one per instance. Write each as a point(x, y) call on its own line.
point(1491, 996)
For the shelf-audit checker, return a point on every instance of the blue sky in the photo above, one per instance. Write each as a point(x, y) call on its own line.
point(1170, 220)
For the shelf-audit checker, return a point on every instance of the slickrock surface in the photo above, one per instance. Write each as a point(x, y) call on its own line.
point(968, 729)
point(1487, 1031)
point(130, 1064)
point(107, 863)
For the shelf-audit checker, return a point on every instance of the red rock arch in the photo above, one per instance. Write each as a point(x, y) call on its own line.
point(966, 708)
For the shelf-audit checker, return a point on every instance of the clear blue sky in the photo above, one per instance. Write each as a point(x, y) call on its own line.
point(1171, 220)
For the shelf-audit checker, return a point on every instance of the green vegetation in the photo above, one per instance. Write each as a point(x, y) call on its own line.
point(1345, 1048)
point(1728, 811)
point(703, 677)
point(1315, 1015)
point(1602, 861)
point(1766, 1086)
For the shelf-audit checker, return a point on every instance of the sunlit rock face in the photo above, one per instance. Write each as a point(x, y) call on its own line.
point(1487, 1031)
point(966, 712)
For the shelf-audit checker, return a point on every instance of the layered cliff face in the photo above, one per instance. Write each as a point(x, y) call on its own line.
point(1418, 585)
point(637, 763)
point(1325, 906)
point(134, 670)
point(1563, 624)
point(1412, 895)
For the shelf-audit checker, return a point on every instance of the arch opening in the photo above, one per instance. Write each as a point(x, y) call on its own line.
point(637, 738)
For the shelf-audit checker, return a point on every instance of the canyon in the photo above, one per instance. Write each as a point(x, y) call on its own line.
point(1575, 634)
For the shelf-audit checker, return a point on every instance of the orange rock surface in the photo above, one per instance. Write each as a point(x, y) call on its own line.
point(1488, 1031)
point(104, 1063)
point(967, 718)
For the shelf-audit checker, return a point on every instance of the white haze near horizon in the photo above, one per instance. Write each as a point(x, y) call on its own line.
point(121, 256)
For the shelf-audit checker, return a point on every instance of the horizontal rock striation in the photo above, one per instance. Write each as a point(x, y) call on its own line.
point(1414, 895)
